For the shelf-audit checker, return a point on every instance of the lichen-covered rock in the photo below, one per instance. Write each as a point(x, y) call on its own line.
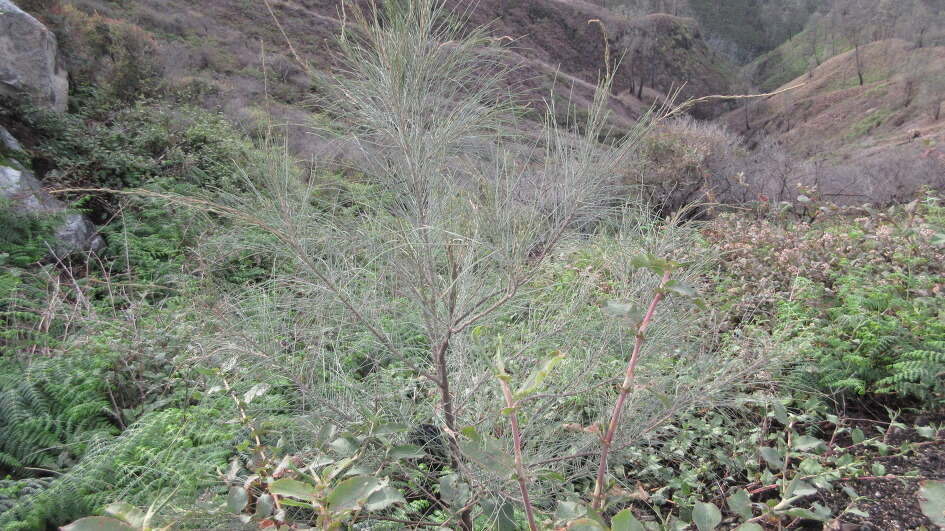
point(23, 189)
point(29, 63)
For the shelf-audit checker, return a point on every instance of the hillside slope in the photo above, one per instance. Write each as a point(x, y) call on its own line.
point(235, 56)
point(879, 140)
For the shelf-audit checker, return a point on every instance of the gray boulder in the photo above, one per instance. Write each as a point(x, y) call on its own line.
point(29, 63)
point(8, 142)
point(23, 189)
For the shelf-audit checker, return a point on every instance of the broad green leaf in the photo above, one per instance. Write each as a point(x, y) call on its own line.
point(706, 516)
point(325, 434)
point(345, 445)
point(623, 310)
point(740, 503)
point(569, 510)
point(383, 498)
point(800, 487)
point(749, 526)
point(500, 515)
point(780, 413)
point(264, 506)
point(293, 488)
point(932, 501)
point(533, 383)
point(292, 503)
point(487, 453)
point(857, 435)
point(455, 492)
point(680, 288)
point(97, 523)
point(470, 431)
point(321, 461)
point(352, 493)
point(126, 512)
point(804, 443)
point(927, 432)
point(772, 456)
point(586, 524)
point(407, 451)
point(656, 265)
point(625, 521)
point(359, 470)
point(237, 499)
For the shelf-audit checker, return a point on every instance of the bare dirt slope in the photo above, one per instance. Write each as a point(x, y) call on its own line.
point(879, 140)
point(231, 54)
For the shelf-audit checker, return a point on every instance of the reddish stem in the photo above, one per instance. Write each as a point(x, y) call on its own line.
point(625, 389)
point(519, 462)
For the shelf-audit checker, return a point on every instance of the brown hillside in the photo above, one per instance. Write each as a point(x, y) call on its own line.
point(663, 51)
point(883, 138)
point(218, 51)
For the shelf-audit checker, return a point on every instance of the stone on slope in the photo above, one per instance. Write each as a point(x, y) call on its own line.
point(8, 142)
point(29, 64)
point(23, 189)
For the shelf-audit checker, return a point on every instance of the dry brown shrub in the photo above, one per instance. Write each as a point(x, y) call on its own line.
point(114, 54)
point(683, 159)
point(763, 256)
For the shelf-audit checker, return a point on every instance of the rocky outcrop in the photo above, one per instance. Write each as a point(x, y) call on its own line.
point(19, 186)
point(29, 64)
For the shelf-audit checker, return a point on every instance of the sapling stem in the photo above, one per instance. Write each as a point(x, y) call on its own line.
point(608, 439)
point(512, 406)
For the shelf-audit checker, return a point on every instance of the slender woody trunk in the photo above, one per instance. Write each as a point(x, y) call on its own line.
point(449, 418)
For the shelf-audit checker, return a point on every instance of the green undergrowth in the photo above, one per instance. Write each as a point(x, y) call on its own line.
point(869, 123)
point(858, 297)
point(870, 336)
point(95, 404)
point(796, 56)
point(110, 144)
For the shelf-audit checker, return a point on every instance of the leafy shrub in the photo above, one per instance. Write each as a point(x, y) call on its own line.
point(683, 160)
point(104, 144)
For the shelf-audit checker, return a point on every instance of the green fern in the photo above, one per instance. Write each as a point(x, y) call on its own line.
point(48, 410)
point(870, 336)
point(919, 372)
point(170, 455)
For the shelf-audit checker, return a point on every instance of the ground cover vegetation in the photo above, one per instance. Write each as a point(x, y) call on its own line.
point(479, 329)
